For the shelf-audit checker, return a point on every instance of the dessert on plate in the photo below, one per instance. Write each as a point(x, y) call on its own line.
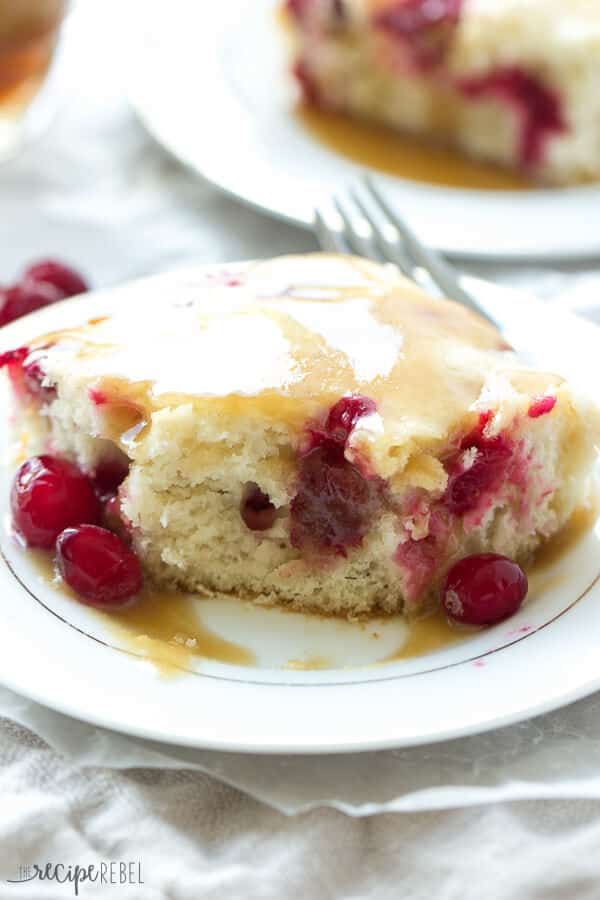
point(510, 81)
point(311, 431)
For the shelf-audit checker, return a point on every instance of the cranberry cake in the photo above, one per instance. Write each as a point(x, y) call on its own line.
point(312, 431)
point(514, 82)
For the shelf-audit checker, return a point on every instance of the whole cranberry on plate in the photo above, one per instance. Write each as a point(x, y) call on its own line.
point(484, 589)
point(41, 284)
point(98, 565)
point(58, 275)
point(48, 495)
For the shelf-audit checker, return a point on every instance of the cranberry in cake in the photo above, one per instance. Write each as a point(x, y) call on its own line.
point(314, 432)
point(509, 81)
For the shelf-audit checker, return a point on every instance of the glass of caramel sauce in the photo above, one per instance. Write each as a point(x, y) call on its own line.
point(28, 37)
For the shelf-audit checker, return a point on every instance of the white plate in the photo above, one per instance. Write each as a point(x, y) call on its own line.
point(209, 81)
point(63, 655)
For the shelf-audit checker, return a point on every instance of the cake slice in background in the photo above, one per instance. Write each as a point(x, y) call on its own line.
point(514, 82)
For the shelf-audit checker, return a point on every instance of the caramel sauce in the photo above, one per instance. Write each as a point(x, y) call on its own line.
point(20, 449)
point(385, 150)
point(428, 635)
point(417, 331)
point(334, 368)
point(162, 626)
point(23, 70)
point(310, 664)
point(122, 422)
point(43, 565)
point(123, 408)
point(539, 572)
point(165, 626)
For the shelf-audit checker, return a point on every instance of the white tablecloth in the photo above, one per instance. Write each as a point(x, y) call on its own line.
point(199, 840)
point(97, 192)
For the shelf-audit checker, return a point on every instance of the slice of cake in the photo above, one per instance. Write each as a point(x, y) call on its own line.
point(510, 81)
point(312, 431)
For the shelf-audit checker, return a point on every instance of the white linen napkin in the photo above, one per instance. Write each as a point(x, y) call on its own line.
point(550, 757)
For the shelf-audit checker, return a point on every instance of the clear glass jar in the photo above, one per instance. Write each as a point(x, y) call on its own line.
point(28, 37)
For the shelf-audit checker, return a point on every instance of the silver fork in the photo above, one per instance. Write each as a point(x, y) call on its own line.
point(361, 221)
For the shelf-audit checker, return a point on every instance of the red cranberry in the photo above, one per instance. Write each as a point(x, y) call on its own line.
point(341, 421)
point(420, 559)
point(97, 397)
point(257, 511)
point(13, 361)
point(98, 565)
point(344, 416)
point(114, 519)
point(24, 298)
point(541, 406)
point(335, 504)
point(13, 357)
point(467, 481)
point(307, 83)
point(33, 378)
point(48, 495)
point(29, 376)
point(406, 17)
point(63, 278)
point(109, 476)
point(43, 283)
point(484, 418)
point(484, 589)
point(539, 106)
point(298, 8)
point(423, 26)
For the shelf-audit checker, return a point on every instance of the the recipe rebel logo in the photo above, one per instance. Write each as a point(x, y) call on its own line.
point(77, 876)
